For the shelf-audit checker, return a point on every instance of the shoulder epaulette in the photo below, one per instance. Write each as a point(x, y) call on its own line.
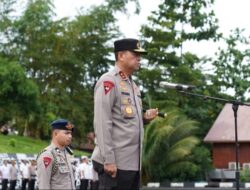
point(110, 73)
point(54, 163)
point(39, 154)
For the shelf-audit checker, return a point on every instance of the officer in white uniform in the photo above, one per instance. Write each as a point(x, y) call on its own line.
point(54, 169)
point(5, 174)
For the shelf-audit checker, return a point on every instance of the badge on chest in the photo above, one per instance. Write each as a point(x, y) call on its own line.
point(62, 164)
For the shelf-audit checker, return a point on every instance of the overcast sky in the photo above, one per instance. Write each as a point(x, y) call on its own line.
point(231, 14)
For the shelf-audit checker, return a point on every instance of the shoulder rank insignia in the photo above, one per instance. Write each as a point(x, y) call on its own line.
point(122, 75)
point(108, 85)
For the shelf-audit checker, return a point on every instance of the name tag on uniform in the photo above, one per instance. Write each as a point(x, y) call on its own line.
point(125, 93)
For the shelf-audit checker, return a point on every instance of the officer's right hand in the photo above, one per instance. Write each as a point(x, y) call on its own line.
point(110, 169)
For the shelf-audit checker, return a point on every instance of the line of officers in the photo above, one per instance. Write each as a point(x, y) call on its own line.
point(86, 175)
point(21, 175)
point(24, 175)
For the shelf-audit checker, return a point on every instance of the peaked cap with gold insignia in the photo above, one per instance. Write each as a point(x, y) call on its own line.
point(129, 44)
point(62, 124)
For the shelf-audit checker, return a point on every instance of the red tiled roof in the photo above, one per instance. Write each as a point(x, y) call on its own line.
point(223, 129)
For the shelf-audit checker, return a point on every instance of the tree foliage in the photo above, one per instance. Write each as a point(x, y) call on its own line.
point(63, 57)
point(170, 28)
point(175, 23)
point(49, 66)
point(18, 92)
point(232, 65)
point(173, 139)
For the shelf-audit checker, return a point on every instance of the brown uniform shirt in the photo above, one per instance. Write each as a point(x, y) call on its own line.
point(118, 121)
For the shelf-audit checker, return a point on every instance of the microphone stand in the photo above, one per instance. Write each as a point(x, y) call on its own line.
point(235, 106)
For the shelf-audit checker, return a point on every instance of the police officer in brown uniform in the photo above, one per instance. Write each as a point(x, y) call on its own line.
point(118, 120)
point(54, 169)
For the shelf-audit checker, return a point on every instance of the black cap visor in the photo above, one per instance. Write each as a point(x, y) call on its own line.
point(141, 51)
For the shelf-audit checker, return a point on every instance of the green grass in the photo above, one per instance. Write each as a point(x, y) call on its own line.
point(26, 145)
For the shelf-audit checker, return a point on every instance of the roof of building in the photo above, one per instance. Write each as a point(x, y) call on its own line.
point(223, 129)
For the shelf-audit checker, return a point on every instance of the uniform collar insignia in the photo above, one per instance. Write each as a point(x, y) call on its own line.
point(122, 75)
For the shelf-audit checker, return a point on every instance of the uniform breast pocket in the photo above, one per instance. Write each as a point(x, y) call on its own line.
point(63, 168)
point(128, 110)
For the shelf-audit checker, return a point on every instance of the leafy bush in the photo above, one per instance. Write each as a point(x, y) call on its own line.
point(245, 175)
point(12, 142)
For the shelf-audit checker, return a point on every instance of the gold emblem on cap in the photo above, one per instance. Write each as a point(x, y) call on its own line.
point(69, 126)
point(138, 45)
point(129, 110)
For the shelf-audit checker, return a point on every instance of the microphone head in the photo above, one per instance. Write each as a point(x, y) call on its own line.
point(164, 84)
point(163, 115)
point(176, 86)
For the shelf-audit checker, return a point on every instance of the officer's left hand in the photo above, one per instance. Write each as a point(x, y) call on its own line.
point(110, 169)
point(150, 114)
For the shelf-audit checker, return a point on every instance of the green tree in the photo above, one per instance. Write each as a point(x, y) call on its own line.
point(170, 29)
point(232, 70)
point(168, 148)
point(174, 24)
point(19, 95)
point(64, 58)
point(6, 22)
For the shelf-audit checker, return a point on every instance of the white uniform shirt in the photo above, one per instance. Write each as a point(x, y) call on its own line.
point(24, 169)
point(83, 171)
point(13, 172)
point(5, 170)
point(89, 172)
point(77, 173)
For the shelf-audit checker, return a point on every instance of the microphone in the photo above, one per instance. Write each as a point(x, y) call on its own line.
point(176, 86)
point(163, 115)
point(160, 114)
point(69, 150)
